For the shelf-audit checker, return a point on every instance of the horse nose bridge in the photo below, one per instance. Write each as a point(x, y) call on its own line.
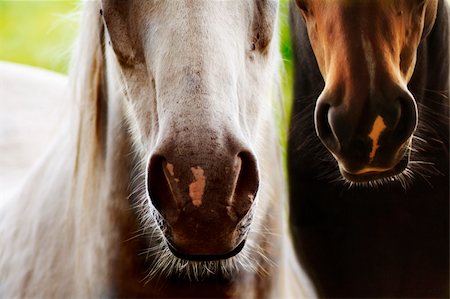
point(199, 105)
point(199, 139)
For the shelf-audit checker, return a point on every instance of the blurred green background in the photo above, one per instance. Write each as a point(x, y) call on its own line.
point(38, 33)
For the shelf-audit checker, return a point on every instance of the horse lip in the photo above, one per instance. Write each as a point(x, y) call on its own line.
point(242, 230)
point(377, 174)
point(200, 258)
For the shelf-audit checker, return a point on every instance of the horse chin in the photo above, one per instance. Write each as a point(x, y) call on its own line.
point(382, 176)
point(170, 260)
point(241, 233)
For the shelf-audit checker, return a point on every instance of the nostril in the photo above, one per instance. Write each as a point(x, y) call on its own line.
point(158, 187)
point(407, 121)
point(247, 184)
point(156, 179)
point(323, 126)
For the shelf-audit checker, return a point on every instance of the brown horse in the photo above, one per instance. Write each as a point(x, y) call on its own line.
point(166, 179)
point(368, 146)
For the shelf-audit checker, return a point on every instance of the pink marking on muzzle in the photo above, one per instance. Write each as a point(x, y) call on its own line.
point(197, 187)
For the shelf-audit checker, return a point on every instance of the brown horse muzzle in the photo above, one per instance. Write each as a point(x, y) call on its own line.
point(369, 135)
point(204, 186)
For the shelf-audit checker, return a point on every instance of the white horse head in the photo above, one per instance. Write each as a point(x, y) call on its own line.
point(172, 98)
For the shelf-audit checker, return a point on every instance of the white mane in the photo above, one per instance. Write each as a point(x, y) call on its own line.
point(55, 228)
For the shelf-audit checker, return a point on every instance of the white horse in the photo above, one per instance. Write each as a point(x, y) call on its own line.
point(165, 179)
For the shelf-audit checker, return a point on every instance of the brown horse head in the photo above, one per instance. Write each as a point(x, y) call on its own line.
point(366, 52)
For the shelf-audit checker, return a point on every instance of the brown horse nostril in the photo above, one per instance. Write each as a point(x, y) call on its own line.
point(407, 120)
point(323, 127)
point(369, 131)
